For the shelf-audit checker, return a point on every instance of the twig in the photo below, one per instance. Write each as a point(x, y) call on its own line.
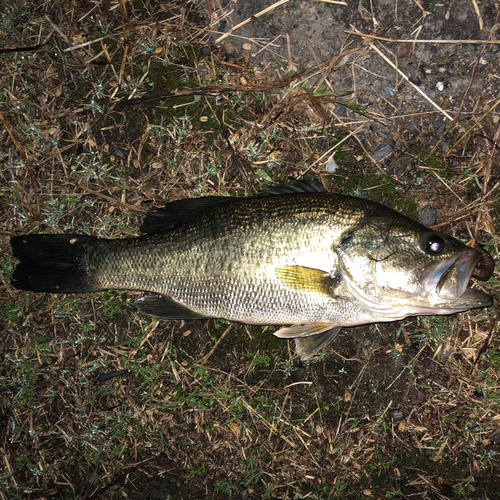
point(133, 208)
point(404, 40)
point(22, 49)
point(479, 18)
point(336, 2)
point(206, 358)
point(255, 16)
point(471, 79)
point(485, 345)
point(476, 124)
point(24, 156)
point(81, 45)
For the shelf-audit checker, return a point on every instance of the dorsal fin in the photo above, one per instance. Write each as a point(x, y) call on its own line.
point(175, 212)
point(300, 186)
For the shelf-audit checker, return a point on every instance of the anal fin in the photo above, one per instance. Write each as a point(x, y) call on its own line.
point(303, 330)
point(163, 307)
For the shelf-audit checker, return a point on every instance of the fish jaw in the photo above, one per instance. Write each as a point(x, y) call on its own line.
point(446, 283)
point(454, 280)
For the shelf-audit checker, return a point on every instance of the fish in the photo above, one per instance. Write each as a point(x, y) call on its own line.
point(295, 255)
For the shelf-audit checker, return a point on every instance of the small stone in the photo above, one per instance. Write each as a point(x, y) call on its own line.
point(387, 92)
point(383, 151)
point(395, 414)
point(438, 123)
point(331, 165)
point(427, 216)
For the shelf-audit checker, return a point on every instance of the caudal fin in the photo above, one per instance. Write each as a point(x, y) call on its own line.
point(52, 262)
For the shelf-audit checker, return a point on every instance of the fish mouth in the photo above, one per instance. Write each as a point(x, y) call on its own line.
point(448, 280)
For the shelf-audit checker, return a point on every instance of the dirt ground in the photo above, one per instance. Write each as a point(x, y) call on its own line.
point(459, 78)
point(363, 95)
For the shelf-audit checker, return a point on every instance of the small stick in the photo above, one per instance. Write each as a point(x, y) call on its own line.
point(476, 124)
point(485, 345)
point(132, 208)
point(408, 80)
point(90, 42)
point(289, 49)
point(206, 358)
point(404, 40)
point(24, 156)
point(336, 2)
point(479, 18)
point(255, 16)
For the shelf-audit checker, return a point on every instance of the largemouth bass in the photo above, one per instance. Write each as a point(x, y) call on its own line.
point(293, 255)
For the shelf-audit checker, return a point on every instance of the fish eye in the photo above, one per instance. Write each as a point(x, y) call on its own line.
point(433, 244)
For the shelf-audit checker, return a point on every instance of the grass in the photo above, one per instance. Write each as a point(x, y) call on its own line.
point(247, 419)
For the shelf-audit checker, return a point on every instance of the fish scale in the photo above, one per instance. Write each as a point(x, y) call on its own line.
point(203, 260)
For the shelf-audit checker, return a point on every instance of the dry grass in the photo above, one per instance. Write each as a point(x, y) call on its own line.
point(219, 410)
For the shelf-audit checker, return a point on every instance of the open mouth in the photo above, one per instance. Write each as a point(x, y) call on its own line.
point(450, 277)
point(453, 282)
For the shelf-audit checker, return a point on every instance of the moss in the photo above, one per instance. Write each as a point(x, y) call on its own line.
point(381, 188)
point(433, 162)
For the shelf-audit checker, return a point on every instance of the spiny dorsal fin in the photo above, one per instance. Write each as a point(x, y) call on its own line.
point(300, 186)
point(175, 212)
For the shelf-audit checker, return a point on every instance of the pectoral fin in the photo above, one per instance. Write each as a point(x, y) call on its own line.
point(306, 279)
point(162, 307)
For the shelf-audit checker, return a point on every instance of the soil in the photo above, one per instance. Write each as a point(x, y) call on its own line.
point(316, 31)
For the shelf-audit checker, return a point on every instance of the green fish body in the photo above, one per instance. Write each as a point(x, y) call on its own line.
point(315, 260)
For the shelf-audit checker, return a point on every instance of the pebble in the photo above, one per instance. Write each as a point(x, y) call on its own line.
point(383, 151)
point(395, 414)
point(438, 123)
point(331, 165)
point(387, 92)
point(427, 216)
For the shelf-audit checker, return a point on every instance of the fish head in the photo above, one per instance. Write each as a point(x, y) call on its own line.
point(398, 268)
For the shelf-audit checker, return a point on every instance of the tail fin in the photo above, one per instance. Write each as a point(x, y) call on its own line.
point(52, 262)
